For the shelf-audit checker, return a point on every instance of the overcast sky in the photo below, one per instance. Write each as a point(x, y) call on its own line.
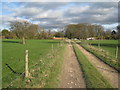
point(53, 15)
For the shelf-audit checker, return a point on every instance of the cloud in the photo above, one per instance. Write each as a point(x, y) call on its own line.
point(105, 5)
point(52, 15)
point(90, 14)
point(45, 5)
point(60, 0)
point(6, 20)
point(78, 9)
point(26, 12)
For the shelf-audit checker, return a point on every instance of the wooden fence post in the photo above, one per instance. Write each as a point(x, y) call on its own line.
point(99, 45)
point(26, 64)
point(52, 48)
point(60, 43)
point(116, 52)
point(23, 40)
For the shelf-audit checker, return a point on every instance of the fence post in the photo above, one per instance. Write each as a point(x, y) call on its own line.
point(99, 45)
point(52, 48)
point(61, 43)
point(116, 52)
point(26, 64)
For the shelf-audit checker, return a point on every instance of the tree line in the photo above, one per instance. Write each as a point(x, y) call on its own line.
point(85, 30)
point(27, 30)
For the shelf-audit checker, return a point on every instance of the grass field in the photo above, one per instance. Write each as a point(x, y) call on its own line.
point(108, 45)
point(104, 49)
point(42, 61)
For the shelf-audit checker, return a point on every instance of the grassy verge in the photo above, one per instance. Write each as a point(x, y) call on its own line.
point(107, 45)
point(44, 63)
point(103, 55)
point(93, 77)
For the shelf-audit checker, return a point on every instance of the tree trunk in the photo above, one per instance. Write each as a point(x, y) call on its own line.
point(23, 40)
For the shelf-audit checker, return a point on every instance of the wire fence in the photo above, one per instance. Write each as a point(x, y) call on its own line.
point(9, 77)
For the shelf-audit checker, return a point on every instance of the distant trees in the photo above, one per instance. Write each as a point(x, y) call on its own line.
point(114, 34)
point(44, 34)
point(5, 33)
point(107, 34)
point(118, 29)
point(85, 30)
point(0, 33)
point(59, 34)
point(8, 34)
point(80, 31)
point(26, 30)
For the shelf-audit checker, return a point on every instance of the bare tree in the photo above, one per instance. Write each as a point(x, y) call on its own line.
point(24, 29)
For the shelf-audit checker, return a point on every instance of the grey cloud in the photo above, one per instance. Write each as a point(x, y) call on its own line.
point(51, 23)
point(26, 12)
point(46, 5)
point(105, 4)
point(51, 13)
point(105, 14)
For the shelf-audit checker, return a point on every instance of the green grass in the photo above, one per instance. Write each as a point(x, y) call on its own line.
point(108, 45)
point(105, 52)
point(42, 62)
point(93, 77)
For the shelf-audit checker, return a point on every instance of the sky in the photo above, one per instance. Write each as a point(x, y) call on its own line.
point(56, 15)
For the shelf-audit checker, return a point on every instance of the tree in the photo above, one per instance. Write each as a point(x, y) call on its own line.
point(71, 30)
point(5, 33)
point(114, 34)
point(0, 33)
point(32, 31)
point(118, 30)
point(99, 31)
point(50, 34)
point(42, 34)
point(59, 34)
point(19, 28)
point(24, 29)
point(84, 30)
point(107, 34)
point(8, 34)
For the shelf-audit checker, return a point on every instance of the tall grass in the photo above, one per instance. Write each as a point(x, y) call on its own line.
point(108, 45)
point(104, 54)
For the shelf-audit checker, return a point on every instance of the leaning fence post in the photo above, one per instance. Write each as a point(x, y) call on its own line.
point(26, 64)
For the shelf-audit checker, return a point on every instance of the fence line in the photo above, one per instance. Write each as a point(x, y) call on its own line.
point(13, 78)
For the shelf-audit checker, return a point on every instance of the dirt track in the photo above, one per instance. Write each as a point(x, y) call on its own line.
point(109, 73)
point(72, 76)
